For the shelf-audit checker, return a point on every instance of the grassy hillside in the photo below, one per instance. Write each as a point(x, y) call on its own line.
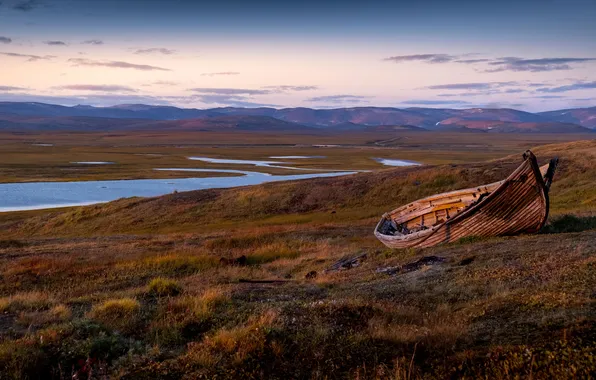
point(138, 289)
point(355, 198)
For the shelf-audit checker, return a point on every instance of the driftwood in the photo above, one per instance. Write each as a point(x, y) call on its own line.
point(518, 204)
point(346, 263)
point(410, 267)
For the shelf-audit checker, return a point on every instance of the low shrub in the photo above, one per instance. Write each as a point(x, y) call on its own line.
point(185, 318)
point(21, 359)
point(272, 252)
point(58, 313)
point(31, 301)
point(180, 264)
point(120, 313)
point(164, 287)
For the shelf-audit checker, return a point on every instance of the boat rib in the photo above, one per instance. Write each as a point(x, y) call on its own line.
point(518, 204)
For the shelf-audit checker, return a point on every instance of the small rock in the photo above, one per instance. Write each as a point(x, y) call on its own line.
point(467, 261)
point(310, 275)
point(240, 261)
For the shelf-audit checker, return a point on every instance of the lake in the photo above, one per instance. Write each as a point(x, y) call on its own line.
point(395, 162)
point(267, 164)
point(42, 195)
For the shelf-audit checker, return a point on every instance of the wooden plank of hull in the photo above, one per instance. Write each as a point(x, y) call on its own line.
point(517, 204)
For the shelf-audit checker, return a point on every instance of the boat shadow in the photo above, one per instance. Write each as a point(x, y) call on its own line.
point(570, 223)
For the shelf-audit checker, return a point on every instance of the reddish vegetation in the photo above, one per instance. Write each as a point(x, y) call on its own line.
point(581, 116)
point(137, 289)
point(503, 126)
point(45, 116)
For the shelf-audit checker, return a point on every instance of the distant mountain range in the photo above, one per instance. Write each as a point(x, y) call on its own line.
point(39, 116)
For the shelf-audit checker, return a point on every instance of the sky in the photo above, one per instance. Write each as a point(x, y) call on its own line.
point(533, 55)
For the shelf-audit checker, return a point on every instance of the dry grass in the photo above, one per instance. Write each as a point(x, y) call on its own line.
point(86, 284)
point(29, 301)
point(119, 314)
point(21, 161)
point(57, 314)
point(164, 287)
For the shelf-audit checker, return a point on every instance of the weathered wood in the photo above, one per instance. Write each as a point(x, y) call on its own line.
point(512, 206)
point(346, 263)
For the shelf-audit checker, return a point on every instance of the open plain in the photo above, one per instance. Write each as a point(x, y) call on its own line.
point(235, 283)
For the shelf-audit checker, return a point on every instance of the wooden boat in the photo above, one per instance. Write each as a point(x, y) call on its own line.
point(518, 204)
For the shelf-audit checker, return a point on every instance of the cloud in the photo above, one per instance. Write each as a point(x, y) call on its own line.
point(546, 97)
point(434, 102)
point(570, 87)
point(164, 83)
point(30, 58)
point(230, 91)
point(337, 99)
point(535, 65)
point(89, 99)
point(471, 61)
point(155, 51)
point(5, 40)
point(427, 58)
point(461, 86)
point(229, 100)
point(93, 87)
point(499, 64)
point(11, 88)
point(92, 42)
point(114, 64)
point(472, 86)
point(285, 88)
point(236, 97)
point(26, 6)
point(513, 91)
point(55, 43)
point(220, 73)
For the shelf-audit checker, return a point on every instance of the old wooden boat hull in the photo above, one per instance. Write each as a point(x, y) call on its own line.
point(518, 204)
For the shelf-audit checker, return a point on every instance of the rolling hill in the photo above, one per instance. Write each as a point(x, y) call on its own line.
point(24, 116)
point(99, 124)
point(226, 123)
point(127, 111)
point(497, 126)
point(582, 116)
point(21, 123)
point(238, 283)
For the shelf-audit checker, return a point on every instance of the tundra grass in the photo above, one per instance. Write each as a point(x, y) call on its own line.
point(138, 289)
point(135, 155)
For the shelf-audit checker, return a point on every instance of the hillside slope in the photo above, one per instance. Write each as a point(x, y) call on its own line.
point(338, 118)
point(497, 126)
point(234, 284)
point(583, 116)
point(138, 111)
point(362, 196)
point(229, 123)
point(20, 123)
